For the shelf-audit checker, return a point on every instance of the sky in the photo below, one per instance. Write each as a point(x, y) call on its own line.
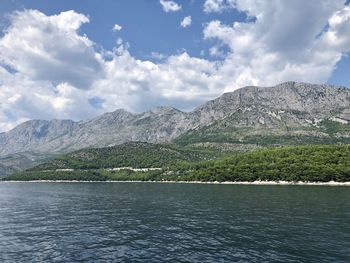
point(76, 59)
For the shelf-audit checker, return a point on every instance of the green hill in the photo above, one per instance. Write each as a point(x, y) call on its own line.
point(317, 163)
point(297, 163)
point(133, 154)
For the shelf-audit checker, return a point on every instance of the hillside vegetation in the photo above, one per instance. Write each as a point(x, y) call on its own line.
point(297, 163)
point(229, 130)
point(320, 163)
point(133, 154)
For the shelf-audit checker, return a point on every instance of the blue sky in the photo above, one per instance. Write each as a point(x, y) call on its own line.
point(62, 58)
point(147, 28)
point(341, 73)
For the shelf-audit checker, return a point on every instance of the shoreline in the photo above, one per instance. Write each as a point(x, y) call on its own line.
point(330, 183)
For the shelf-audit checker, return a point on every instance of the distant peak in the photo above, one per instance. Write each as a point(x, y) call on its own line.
point(301, 88)
point(120, 111)
point(117, 112)
point(287, 84)
point(164, 109)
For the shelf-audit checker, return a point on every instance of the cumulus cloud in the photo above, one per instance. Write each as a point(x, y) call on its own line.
point(22, 99)
point(46, 68)
point(186, 22)
point(49, 48)
point(117, 27)
point(215, 51)
point(338, 33)
point(158, 55)
point(170, 6)
point(178, 81)
point(49, 69)
point(217, 6)
point(280, 45)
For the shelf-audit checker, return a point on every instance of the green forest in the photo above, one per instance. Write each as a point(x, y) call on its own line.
point(314, 163)
point(132, 154)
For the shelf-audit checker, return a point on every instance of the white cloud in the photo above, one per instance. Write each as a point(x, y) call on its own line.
point(158, 55)
point(178, 81)
point(52, 67)
point(119, 41)
point(217, 6)
point(187, 21)
point(280, 45)
point(49, 69)
point(170, 6)
point(117, 27)
point(338, 34)
point(215, 51)
point(23, 99)
point(49, 48)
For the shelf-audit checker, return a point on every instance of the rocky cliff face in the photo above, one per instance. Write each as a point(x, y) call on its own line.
point(286, 109)
point(321, 101)
point(158, 125)
point(34, 134)
point(293, 112)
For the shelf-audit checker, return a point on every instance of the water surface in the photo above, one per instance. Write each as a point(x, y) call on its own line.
point(155, 222)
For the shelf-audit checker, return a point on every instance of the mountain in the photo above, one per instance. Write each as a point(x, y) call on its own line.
point(289, 113)
point(158, 125)
point(37, 136)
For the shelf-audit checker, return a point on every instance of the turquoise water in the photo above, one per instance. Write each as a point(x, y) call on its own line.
point(154, 222)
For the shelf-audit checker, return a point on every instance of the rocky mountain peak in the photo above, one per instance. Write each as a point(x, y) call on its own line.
point(164, 110)
point(287, 104)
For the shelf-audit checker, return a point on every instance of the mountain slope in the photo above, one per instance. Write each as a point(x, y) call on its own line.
point(132, 154)
point(289, 113)
point(40, 135)
point(19, 161)
point(158, 125)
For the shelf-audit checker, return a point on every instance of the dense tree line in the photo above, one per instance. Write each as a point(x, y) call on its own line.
point(89, 175)
point(135, 154)
point(298, 163)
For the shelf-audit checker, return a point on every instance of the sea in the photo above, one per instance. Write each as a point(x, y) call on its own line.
point(173, 222)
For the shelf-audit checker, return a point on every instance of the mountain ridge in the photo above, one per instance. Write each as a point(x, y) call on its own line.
point(287, 109)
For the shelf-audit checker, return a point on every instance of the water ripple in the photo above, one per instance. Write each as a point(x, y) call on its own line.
point(142, 222)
